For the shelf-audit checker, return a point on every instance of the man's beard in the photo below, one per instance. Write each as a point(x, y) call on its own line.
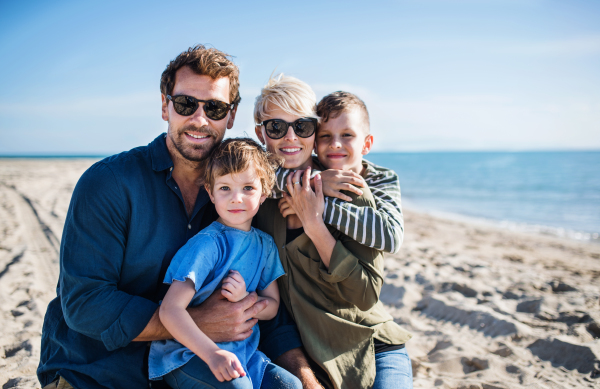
point(193, 152)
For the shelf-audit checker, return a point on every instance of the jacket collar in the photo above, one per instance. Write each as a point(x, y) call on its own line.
point(161, 159)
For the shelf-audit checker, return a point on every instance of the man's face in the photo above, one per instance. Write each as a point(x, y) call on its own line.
point(342, 141)
point(193, 137)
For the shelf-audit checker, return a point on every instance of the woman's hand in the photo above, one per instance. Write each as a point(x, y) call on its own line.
point(309, 207)
point(334, 181)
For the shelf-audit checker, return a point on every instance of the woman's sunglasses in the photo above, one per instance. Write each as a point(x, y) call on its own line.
point(277, 128)
point(187, 105)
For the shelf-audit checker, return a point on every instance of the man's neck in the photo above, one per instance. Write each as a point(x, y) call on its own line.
point(189, 176)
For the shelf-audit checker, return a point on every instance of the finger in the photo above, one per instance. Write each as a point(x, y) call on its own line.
point(236, 276)
point(298, 177)
point(252, 311)
point(353, 189)
point(226, 293)
point(245, 334)
point(318, 186)
point(341, 196)
point(289, 184)
point(249, 301)
point(232, 371)
point(238, 367)
point(218, 375)
point(306, 179)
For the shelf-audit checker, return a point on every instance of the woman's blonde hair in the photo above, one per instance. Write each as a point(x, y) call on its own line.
point(287, 93)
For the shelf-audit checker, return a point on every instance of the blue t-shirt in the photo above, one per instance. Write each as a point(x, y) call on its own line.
point(206, 259)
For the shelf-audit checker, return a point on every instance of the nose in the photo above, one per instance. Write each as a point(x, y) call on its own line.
point(200, 116)
point(237, 197)
point(336, 143)
point(291, 134)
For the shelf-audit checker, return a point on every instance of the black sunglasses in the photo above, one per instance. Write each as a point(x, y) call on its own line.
point(187, 105)
point(277, 128)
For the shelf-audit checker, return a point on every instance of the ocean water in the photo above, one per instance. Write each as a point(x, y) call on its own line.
point(548, 192)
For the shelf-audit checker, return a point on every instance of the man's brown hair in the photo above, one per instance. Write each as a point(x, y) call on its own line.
point(332, 106)
point(235, 155)
point(205, 62)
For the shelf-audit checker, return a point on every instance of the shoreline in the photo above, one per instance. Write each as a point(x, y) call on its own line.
point(488, 307)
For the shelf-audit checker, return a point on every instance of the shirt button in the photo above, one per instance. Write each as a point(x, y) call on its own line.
point(189, 226)
point(171, 169)
point(175, 187)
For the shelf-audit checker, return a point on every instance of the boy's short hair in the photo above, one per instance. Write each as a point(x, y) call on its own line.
point(287, 93)
point(235, 155)
point(332, 106)
point(204, 62)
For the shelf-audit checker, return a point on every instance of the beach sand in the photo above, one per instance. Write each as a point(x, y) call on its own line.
point(489, 308)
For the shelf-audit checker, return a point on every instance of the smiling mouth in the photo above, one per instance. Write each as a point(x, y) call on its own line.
point(235, 210)
point(291, 150)
point(336, 156)
point(196, 136)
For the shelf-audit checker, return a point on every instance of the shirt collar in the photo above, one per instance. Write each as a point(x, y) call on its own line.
point(161, 159)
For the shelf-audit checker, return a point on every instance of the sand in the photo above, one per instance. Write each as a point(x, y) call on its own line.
point(489, 308)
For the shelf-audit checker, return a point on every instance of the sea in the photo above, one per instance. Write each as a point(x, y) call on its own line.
point(555, 193)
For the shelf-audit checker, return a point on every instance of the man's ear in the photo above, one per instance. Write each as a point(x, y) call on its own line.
point(258, 131)
point(231, 117)
point(367, 145)
point(165, 108)
point(209, 191)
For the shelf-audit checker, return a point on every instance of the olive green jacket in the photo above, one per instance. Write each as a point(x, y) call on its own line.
point(337, 310)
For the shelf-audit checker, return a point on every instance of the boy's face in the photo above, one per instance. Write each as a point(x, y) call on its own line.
point(342, 141)
point(237, 198)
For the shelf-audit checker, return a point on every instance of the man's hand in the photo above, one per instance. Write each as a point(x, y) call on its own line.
point(334, 181)
point(234, 287)
point(224, 321)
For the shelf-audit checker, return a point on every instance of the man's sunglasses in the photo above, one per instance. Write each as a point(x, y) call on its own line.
point(187, 105)
point(277, 128)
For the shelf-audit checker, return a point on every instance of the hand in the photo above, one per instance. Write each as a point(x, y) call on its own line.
point(224, 321)
point(234, 287)
point(225, 365)
point(285, 208)
point(307, 205)
point(334, 181)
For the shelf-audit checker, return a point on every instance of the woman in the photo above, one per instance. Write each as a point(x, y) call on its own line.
point(332, 283)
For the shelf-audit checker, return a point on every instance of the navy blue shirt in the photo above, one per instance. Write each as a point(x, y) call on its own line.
point(126, 221)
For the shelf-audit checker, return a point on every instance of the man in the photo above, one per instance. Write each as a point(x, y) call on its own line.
point(128, 216)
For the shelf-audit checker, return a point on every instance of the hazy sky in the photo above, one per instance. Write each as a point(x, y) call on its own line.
point(82, 78)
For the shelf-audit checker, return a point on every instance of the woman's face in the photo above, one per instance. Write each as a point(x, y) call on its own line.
point(295, 150)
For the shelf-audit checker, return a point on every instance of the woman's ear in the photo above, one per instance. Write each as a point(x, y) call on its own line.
point(258, 130)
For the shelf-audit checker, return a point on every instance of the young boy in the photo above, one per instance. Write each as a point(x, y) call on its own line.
point(343, 138)
point(230, 255)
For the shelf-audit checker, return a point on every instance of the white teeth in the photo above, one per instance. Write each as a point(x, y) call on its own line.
point(197, 136)
point(291, 150)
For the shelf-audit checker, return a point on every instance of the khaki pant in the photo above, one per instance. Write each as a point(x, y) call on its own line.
point(60, 383)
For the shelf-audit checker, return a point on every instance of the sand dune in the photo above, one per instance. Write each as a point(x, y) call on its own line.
point(489, 308)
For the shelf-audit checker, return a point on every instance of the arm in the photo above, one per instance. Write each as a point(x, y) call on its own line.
point(92, 254)
point(380, 227)
point(334, 181)
point(271, 294)
point(223, 364)
point(296, 362)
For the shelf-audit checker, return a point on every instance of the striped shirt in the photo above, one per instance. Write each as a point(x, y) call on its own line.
point(381, 228)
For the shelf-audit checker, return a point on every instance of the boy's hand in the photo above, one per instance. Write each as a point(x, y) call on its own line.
point(334, 181)
point(225, 365)
point(234, 287)
point(285, 208)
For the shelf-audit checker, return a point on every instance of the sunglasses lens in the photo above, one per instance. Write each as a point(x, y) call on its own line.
point(304, 128)
point(184, 106)
point(216, 110)
point(276, 129)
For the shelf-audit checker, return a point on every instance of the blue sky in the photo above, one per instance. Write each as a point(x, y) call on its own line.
point(81, 78)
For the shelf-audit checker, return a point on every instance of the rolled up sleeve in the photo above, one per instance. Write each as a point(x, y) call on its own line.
point(92, 254)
